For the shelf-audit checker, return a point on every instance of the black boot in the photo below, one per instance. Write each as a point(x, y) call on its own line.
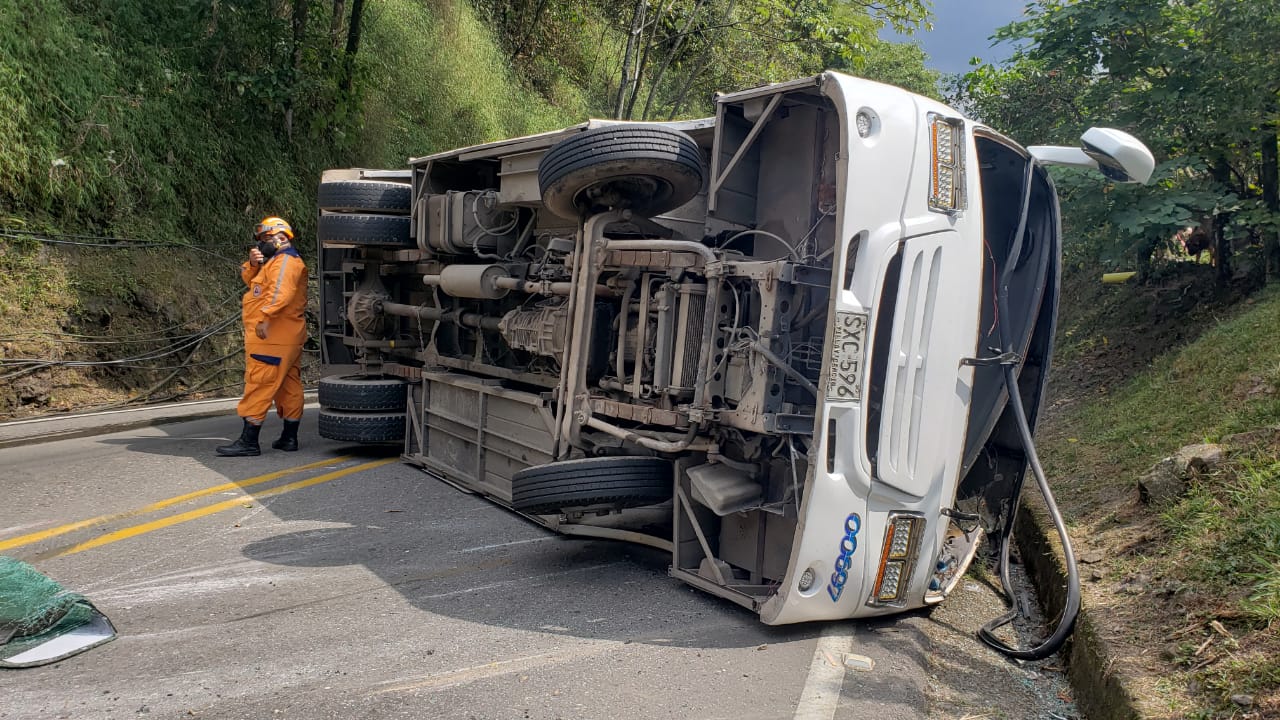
point(288, 437)
point(246, 446)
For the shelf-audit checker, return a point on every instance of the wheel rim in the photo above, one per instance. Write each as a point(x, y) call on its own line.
point(632, 191)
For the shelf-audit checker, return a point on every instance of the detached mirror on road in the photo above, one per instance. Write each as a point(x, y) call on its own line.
point(40, 621)
point(52, 646)
point(1118, 155)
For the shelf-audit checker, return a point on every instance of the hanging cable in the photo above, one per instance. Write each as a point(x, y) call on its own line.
point(29, 365)
point(189, 342)
point(151, 355)
point(84, 339)
point(1070, 611)
point(104, 242)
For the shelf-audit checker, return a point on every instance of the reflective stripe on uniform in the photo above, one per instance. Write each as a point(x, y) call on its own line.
point(275, 294)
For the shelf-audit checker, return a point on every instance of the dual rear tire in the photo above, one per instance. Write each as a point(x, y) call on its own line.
point(367, 213)
point(363, 409)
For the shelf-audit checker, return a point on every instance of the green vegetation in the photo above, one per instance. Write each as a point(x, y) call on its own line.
point(1197, 81)
point(467, 93)
point(1214, 554)
point(1222, 383)
point(116, 125)
point(646, 60)
point(1226, 533)
point(189, 123)
point(177, 125)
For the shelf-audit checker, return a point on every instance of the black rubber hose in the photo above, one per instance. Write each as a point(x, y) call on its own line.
point(1071, 610)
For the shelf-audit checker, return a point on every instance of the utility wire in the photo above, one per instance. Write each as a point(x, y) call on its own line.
point(85, 339)
point(104, 242)
point(189, 341)
point(151, 355)
point(29, 365)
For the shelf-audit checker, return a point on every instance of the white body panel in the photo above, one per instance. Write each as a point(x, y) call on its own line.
point(937, 327)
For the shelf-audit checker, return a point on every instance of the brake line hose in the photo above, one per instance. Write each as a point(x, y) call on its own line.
point(1071, 609)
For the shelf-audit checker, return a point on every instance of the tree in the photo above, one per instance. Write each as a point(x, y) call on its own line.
point(629, 77)
point(664, 56)
point(353, 46)
point(335, 22)
point(776, 40)
point(300, 11)
point(898, 64)
point(1196, 80)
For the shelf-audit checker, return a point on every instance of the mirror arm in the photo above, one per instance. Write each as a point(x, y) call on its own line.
point(1062, 155)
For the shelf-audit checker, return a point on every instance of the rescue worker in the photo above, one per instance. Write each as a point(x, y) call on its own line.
point(274, 332)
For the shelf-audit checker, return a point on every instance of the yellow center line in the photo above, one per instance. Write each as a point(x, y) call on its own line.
point(36, 537)
point(217, 507)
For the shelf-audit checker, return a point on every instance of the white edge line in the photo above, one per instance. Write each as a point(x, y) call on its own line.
point(822, 687)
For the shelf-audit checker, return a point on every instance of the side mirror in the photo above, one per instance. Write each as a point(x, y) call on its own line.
point(1117, 155)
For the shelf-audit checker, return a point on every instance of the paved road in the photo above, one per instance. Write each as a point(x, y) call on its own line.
point(338, 583)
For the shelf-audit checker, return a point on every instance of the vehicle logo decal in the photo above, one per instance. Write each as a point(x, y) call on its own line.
point(844, 561)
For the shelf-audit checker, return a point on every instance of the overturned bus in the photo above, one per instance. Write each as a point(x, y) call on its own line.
point(776, 343)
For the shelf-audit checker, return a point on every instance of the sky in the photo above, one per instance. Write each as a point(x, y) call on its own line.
point(961, 29)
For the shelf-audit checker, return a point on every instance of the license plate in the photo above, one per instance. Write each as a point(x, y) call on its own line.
point(848, 351)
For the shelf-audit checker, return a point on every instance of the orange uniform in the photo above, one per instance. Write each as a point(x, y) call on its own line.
point(276, 295)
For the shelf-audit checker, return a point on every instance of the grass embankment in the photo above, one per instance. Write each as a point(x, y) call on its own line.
point(436, 80)
point(130, 119)
point(1189, 591)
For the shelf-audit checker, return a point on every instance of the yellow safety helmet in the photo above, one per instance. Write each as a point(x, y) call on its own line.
point(272, 225)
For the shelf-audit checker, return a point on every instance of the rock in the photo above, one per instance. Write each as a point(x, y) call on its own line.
point(32, 390)
point(1242, 700)
point(1168, 479)
point(1200, 458)
point(1165, 481)
point(1091, 557)
point(1097, 575)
